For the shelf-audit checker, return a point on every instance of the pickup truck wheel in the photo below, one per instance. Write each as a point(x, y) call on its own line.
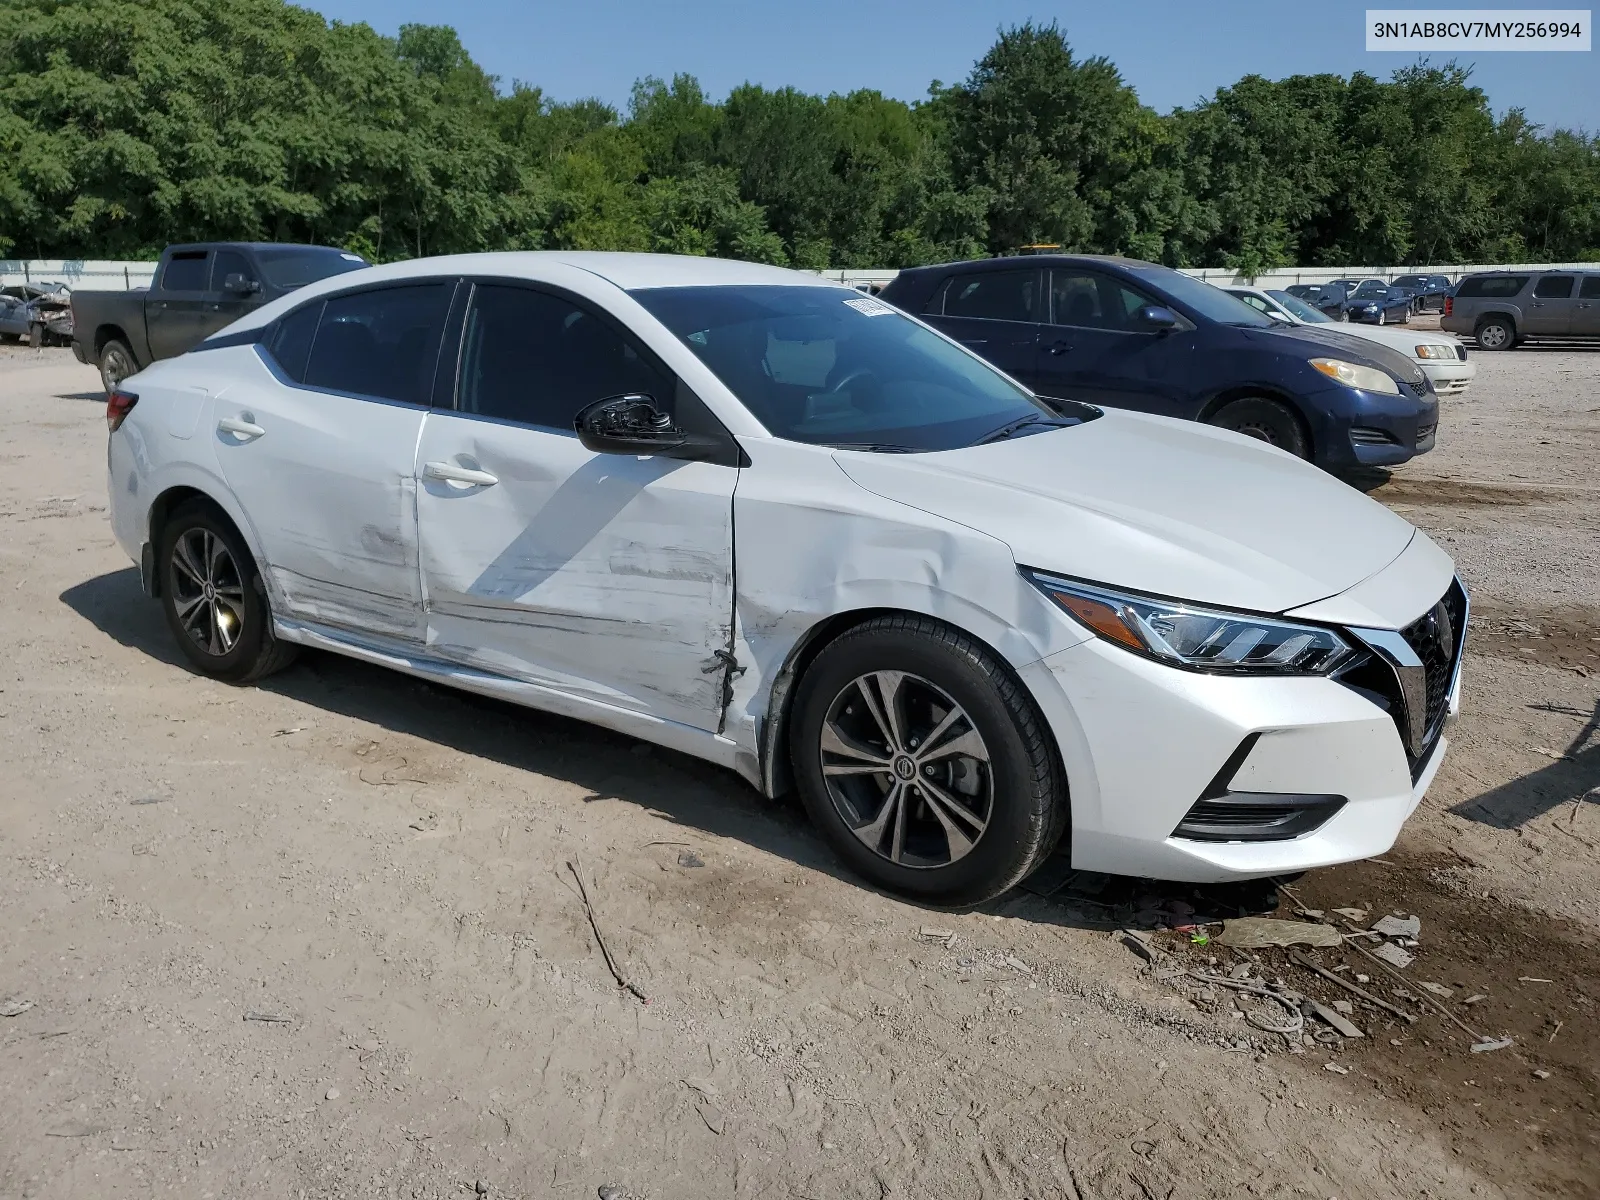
point(1266, 420)
point(1495, 333)
point(116, 364)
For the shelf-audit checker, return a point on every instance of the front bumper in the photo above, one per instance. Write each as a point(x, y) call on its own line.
point(1372, 429)
point(1449, 378)
point(1142, 743)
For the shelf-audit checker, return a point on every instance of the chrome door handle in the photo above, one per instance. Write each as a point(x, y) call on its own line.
point(246, 431)
point(458, 476)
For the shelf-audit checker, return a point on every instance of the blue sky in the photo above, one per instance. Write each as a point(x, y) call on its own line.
point(1172, 53)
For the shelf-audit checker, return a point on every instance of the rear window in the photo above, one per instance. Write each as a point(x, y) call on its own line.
point(1492, 285)
point(1554, 287)
point(186, 271)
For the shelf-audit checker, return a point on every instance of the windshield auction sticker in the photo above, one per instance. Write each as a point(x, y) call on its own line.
point(1477, 29)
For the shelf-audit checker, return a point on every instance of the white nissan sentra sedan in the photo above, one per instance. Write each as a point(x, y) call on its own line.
point(768, 521)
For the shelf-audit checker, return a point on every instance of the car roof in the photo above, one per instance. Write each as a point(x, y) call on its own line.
point(625, 270)
point(185, 246)
point(1011, 261)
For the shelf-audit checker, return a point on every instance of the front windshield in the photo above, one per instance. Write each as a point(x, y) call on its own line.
point(1297, 306)
point(1373, 289)
point(829, 366)
point(289, 267)
point(1210, 302)
point(1414, 281)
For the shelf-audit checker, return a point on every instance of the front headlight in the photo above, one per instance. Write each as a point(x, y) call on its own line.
point(1435, 350)
point(1368, 379)
point(1199, 639)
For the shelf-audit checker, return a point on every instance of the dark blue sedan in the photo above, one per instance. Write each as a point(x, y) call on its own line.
point(1427, 291)
point(1130, 334)
point(1370, 301)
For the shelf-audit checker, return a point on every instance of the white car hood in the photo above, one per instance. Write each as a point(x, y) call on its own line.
point(1396, 338)
point(1154, 505)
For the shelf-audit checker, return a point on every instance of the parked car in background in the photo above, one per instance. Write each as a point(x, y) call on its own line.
point(556, 479)
point(1303, 291)
point(1504, 308)
point(1130, 334)
point(1441, 356)
point(1427, 291)
point(197, 290)
point(40, 313)
point(1371, 301)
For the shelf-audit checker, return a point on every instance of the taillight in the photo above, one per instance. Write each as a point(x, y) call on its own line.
point(118, 405)
point(1449, 305)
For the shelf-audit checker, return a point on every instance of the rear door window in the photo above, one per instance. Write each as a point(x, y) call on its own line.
point(187, 271)
point(1554, 287)
point(289, 343)
point(994, 296)
point(1492, 286)
point(382, 343)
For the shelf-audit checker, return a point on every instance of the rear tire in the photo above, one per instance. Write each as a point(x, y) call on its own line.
point(1266, 420)
point(214, 598)
point(924, 762)
point(1495, 333)
point(116, 364)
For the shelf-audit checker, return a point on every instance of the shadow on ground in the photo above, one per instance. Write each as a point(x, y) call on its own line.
point(610, 766)
point(1573, 779)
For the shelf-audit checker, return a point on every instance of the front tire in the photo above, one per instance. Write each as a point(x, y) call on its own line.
point(214, 599)
point(116, 364)
point(1267, 421)
point(924, 762)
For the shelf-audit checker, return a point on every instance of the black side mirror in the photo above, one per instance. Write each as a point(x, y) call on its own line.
point(1157, 318)
point(240, 284)
point(632, 424)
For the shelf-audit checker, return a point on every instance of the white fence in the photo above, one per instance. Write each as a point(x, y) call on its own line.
point(85, 274)
point(114, 275)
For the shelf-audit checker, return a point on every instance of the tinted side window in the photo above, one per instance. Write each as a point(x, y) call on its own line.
point(1554, 287)
point(994, 296)
point(935, 305)
point(537, 359)
point(1591, 288)
point(289, 343)
point(186, 271)
point(229, 262)
point(381, 343)
point(1492, 285)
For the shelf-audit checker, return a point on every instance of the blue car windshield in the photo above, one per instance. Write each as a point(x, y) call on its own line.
point(1299, 308)
point(1371, 290)
point(1202, 298)
point(831, 367)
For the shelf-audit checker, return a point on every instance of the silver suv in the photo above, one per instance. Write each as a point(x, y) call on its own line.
point(1503, 308)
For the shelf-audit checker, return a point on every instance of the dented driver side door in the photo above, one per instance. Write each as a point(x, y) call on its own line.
point(603, 576)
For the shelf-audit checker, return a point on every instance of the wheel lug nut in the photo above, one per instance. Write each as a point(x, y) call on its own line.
point(928, 770)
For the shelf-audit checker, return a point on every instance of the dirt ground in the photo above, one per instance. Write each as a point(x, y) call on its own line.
point(320, 937)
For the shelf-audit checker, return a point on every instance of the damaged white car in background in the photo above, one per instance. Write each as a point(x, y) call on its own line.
point(771, 522)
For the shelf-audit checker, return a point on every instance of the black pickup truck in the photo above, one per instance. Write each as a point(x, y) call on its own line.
point(197, 290)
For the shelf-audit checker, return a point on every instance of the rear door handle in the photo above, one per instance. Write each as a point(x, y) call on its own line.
point(458, 476)
point(245, 431)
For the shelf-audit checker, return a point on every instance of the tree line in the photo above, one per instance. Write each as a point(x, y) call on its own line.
point(129, 124)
